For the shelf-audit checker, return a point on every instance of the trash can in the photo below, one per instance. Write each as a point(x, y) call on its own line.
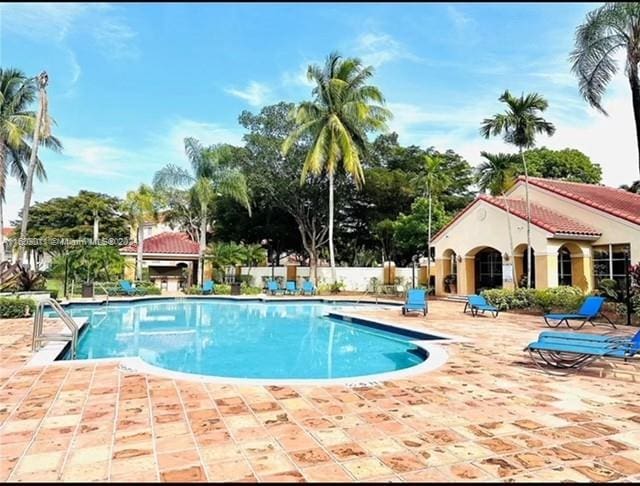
point(235, 288)
point(87, 289)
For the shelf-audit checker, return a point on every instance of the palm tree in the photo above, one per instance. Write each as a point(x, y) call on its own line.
point(140, 206)
point(17, 92)
point(253, 254)
point(519, 125)
point(607, 30)
point(343, 110)
point(633, 187)
point(41, 135)
point(496, 174)
point(211, 176)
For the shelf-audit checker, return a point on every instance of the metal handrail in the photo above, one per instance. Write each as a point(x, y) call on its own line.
point(38, 326)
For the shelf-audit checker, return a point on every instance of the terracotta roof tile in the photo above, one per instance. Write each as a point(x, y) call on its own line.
point(617, 202)
point(543, 217)
point(168, 242)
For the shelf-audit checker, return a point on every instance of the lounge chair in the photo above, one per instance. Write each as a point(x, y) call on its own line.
point(127, 288)
point(590, 309)
point(567, 352)
point(416, 301)
point(208, 287)
point(308, 288)
point(479, 303)
point(291, 288)
point(273, 288)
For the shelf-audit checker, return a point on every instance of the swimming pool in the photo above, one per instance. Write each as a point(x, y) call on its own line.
point(235, 339)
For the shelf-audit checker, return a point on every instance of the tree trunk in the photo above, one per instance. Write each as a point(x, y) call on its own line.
point(506, 205)
point(140, 251)
point(203, 244)
point(31, 170)
point(429, 242)
point(526, 192)
point(332, 255)
point(635, 98)
point(2, 255)
point(3, 183)
point(96, 226)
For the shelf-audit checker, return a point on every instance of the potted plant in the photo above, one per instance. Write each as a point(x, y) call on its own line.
point(450, 283)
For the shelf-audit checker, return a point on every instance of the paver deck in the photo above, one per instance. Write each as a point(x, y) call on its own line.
point(486, 415)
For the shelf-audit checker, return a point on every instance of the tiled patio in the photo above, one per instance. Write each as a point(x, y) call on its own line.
point(486, 415)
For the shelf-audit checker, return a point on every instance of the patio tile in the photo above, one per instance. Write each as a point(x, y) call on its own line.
point(188, 474)
point(233, 470)
point(329, 473)
point(269, 464)
point(310, 457)
point(367, 468)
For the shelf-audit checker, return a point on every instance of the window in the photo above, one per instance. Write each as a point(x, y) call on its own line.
point(608, 263)
point(564, 267)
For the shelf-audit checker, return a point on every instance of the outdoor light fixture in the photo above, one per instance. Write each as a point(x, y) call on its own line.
point(505, 256)
point(458, 258)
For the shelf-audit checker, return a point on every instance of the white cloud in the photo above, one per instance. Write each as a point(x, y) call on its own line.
point(51, 22)
point(95, 157)
point(172, 144)
point(299, 76)
point(376, 49)
point(458, 17)
point(256, 94)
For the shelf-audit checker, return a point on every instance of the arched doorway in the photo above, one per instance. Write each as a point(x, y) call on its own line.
point(488, 269)
point(450, 271)
point(522, 266)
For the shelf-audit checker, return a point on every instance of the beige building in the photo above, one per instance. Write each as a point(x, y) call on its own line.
point(579, 235)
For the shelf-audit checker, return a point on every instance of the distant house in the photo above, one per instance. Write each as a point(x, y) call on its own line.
point(170, 256)
point(579, 236)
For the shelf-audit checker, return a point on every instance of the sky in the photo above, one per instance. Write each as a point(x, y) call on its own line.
point(128, 82)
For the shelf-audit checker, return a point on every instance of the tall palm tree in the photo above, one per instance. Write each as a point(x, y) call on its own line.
point(40, 135)
point(140, 206)
point(633, 187)
point(17, 92)
point(495, 175)
point(343, 110)
point(211, 176)
point(434, 181)
point(606, 31)
point(519, 125)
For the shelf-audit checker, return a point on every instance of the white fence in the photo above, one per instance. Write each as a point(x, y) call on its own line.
point(354, 278)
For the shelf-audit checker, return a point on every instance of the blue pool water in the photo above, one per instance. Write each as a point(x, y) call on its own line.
point(243, 340)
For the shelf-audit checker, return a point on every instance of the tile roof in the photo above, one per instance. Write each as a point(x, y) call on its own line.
point(7, 232)
point(617, 202)
point(168, 242)
point(543, 217)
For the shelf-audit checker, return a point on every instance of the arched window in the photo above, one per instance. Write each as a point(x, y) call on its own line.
point(564, 266)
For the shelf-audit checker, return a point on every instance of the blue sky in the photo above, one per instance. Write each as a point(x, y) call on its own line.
point(129, 82)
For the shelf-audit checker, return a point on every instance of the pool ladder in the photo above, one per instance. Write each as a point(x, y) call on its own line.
point(39, 336)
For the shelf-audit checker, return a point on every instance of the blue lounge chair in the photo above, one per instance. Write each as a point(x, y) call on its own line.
point(416, 301)
point(273, 288)
point(590, 309)
point(207, 287)
point(291, 288)
point(479, 303)
point(566, 352)
point(308, 288)
point(127, 288)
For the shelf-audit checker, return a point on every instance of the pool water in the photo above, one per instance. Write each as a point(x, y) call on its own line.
point(243, 340)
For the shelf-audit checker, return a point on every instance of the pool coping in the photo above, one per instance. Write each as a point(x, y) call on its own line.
point(436, 355)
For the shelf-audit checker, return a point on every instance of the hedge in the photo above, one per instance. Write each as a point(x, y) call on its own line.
point(562, 298)
point(15, 307)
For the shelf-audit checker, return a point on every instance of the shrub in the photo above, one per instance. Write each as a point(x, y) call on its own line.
point(249, 290)
point(222, 289)
point(152, 290)
point(506, 299)
point(53, 293)
point(608, 288)
point(562, 298)
point(193, 290)
point(15, 307)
